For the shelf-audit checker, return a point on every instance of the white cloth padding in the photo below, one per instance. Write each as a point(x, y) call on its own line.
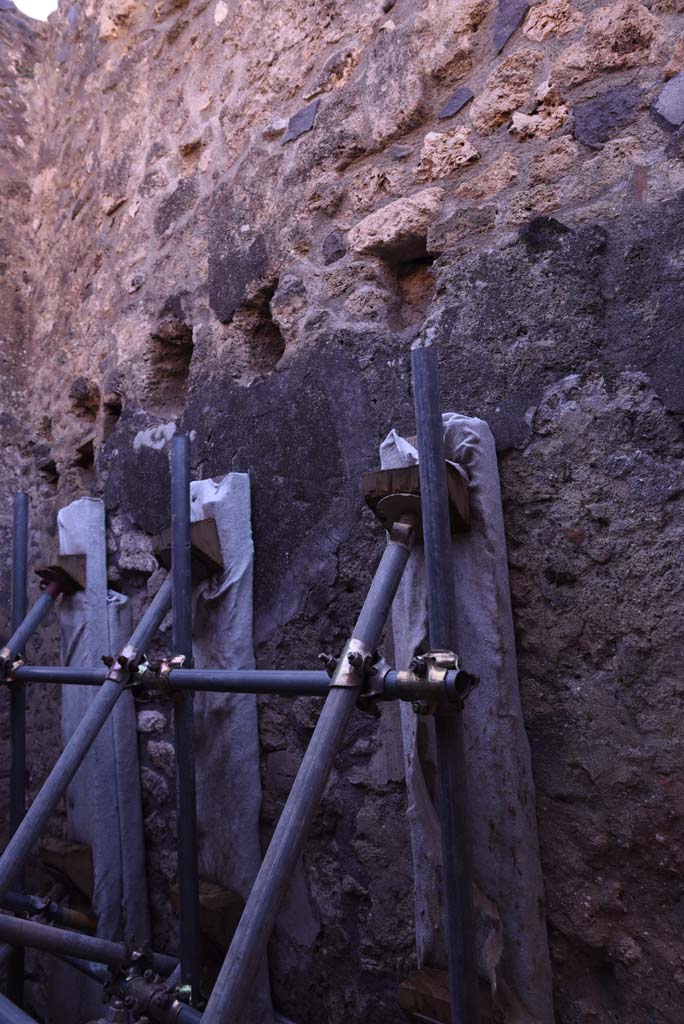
point(501, 787)
point(226, 725)
point(104, 808)
point(104, 802)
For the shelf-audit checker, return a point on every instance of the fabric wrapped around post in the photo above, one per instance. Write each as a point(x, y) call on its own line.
point(226, 725)
point(509, 892)
point(104, 804)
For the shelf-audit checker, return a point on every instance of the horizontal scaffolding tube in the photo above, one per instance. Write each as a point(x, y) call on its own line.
point(59, 674)
point(72, 756)
point(56, 940)
point(286, 682)
point(21, 903)
point(19, 932)
point(280, 682)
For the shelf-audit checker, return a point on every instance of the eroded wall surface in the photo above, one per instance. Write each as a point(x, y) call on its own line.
point(21, 48)
point(231, 218)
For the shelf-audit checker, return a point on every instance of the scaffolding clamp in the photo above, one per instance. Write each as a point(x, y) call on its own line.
point(9, 663)
point(329, 663)
point(144, 992)
point(351, 670)
point(373, 690)
point(156, 675)
point(168, 666)
point(123, 668)
point(435, 683)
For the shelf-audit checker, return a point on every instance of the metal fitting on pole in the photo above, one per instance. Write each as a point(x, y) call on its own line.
point(435, 683)
point(147, 996)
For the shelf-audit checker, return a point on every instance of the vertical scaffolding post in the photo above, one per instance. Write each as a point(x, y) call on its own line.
point(233, 984)
point(17, 808)
point(452, 797)
point(184, 719)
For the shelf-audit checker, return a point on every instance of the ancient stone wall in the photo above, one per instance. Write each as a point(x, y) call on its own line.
point(21, 48)
point(230, 218)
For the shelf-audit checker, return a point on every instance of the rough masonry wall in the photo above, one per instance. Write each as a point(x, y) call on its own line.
point(21, 46)
point(240, 215)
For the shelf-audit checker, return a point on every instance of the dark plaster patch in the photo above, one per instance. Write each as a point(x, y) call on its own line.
point(509, 15)
point(513, 321)
point(595, 119)
point(174, 307)
point(236, 265)
point(543, 233)
point(231, 271)
point(303, 435)
point(137, 481)
point(175, 205)
point(301, 122)
point(456, 102)
point(646, 287)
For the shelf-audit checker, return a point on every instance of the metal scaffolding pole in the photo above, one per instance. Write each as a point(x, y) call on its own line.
point(184, 720)
point(278, 682)
point(33, 906)
point(17, 799)
point(249, 943)
point(452, 797)
point(35, 935)
point(25, 630)
point(11, 1014)
point(80, 743)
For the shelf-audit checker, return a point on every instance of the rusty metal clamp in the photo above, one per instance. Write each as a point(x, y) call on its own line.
point(373, 688)
point(155, 675)
point(352, 667)
point(9, 663)
point(122, 669)
point(143, 992)
point(435, 683)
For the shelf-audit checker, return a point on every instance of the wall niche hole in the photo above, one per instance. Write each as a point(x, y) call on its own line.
point(169, 366)
point(85, 455)
point(415, 285)
point(111, 408)
point(265, 343)
point(48, 470)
